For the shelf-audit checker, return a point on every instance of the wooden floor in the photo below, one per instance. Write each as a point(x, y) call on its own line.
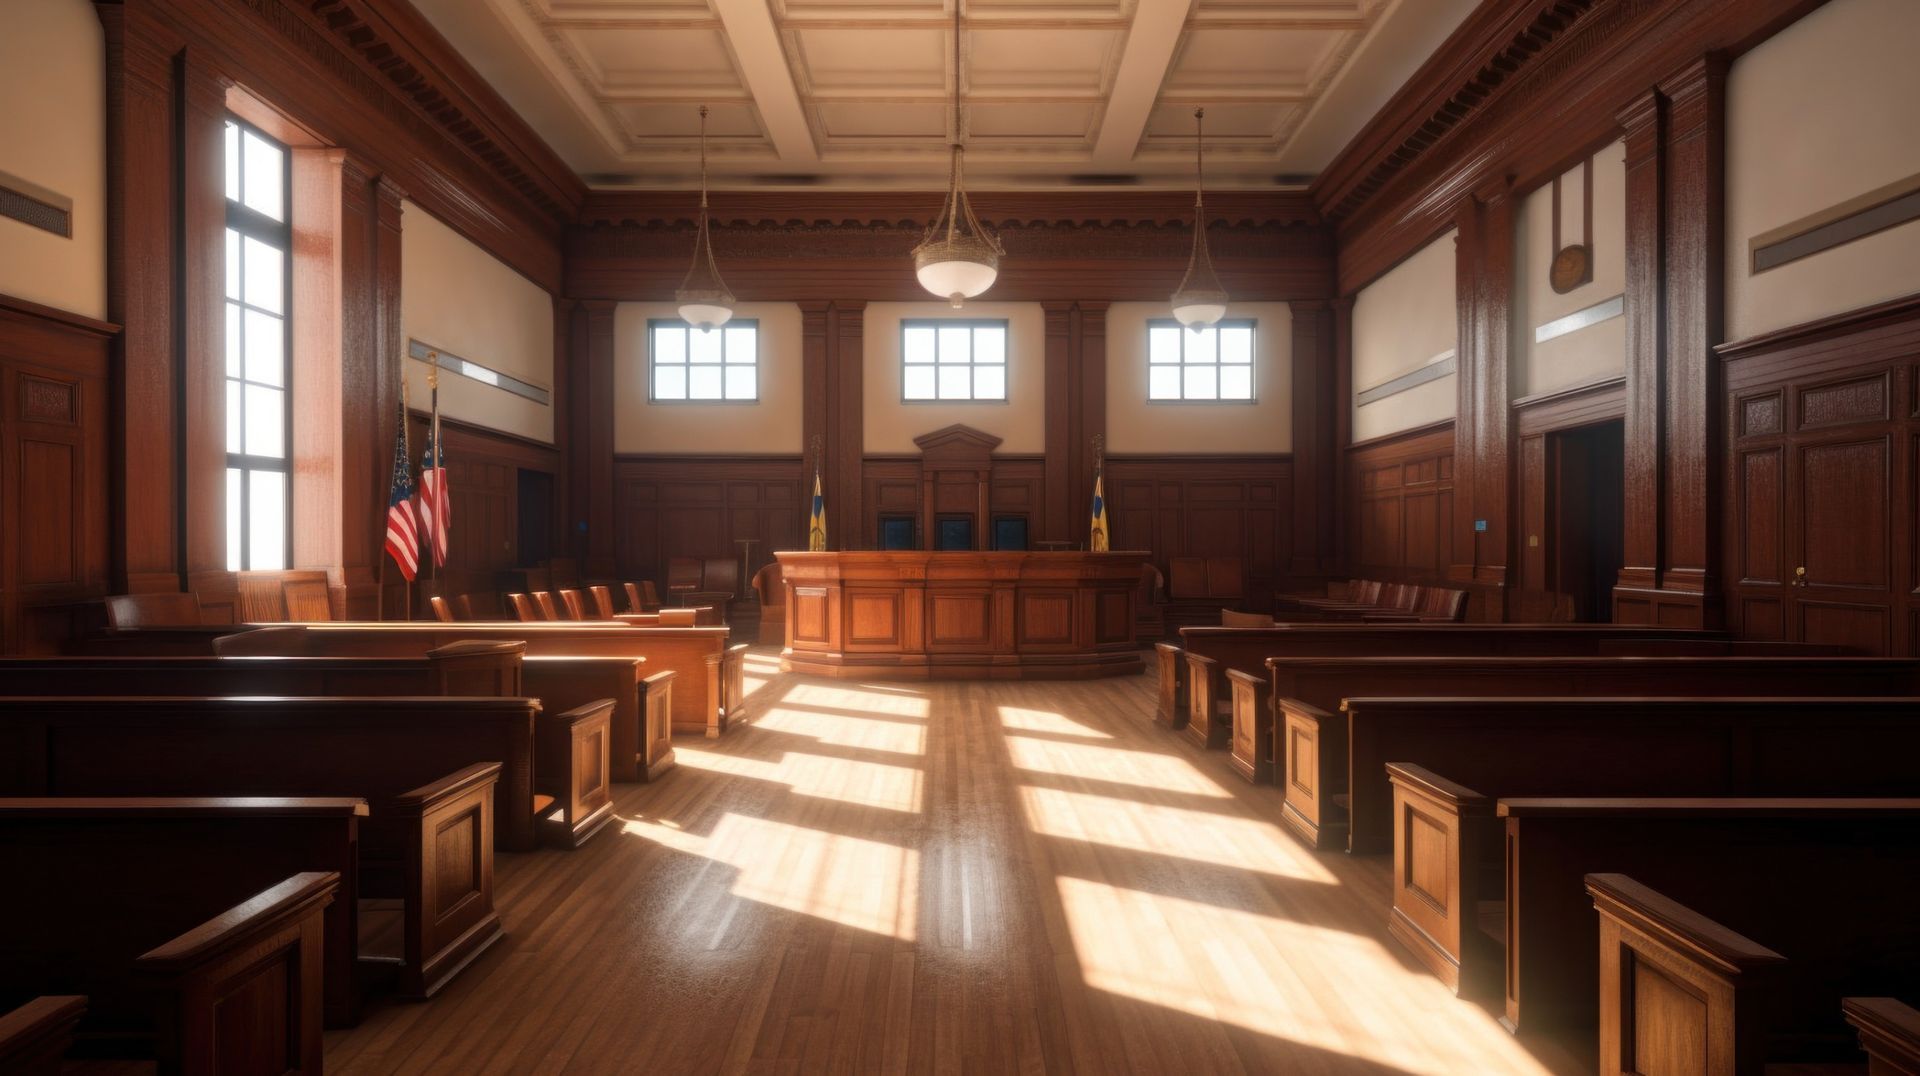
point(956, 877)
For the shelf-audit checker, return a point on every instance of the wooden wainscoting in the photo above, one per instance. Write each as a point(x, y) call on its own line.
point(1401, 492)
point(892, 488)
point(53, 473)
point(696, 506)
point(1823, 453)
point(1206, 506)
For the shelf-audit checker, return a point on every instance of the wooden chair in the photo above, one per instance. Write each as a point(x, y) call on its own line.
point(163, 610)
point(683, 573)
point(523, 608)
point(1234, 618)
point(441, 610)
point(576, 609)
point(307, 600)
point(602, 602)
point(642, 597)
point(463, 607)
point(721, 575)
point(543, 601)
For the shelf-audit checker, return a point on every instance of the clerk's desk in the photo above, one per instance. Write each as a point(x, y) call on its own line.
point(911, 615)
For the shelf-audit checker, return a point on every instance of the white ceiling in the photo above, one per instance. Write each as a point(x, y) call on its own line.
point(855, 93)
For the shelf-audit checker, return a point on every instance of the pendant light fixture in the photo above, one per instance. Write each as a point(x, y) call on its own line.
point(958, 259)
point(1201, 300)
point(705, 302)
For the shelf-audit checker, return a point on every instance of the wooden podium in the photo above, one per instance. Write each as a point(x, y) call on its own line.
point(920, 615)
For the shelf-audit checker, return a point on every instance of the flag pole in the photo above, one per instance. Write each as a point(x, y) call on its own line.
point(406, 453)
point(433, 441)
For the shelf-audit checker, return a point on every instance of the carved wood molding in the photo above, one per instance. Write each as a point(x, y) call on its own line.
point(909, 212)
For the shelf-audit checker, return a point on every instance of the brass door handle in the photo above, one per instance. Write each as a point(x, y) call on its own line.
point(1800, 576)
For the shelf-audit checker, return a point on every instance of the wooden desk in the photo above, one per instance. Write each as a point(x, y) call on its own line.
point(913, 615)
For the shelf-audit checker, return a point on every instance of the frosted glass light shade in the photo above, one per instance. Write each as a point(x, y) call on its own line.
point(956, 279)
point(705, 316)
point(1197, 312)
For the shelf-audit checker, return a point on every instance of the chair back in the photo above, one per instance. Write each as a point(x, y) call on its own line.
point(602, 602)
point(683, 573)
point(523, 607)
point(1366, 591)
point(770, 584)
point(634, 604)
point(650, 596)
point(158, 610)
point(576, 609)
point(441, 610)
point(721, 575)
point(1233, 618)
point(463, 607)
point(543, 601)
point(307, 600)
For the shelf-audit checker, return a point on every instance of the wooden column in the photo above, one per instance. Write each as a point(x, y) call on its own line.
point(590, 437)
point(144, 496)
point(1483, 425)
point(1675, 163)
point(383, 340)
point(1058, 522)
point(1090, 414)
point(1076, 414)
point(369, 371)
point(1338, 555)
point(832, 423)
point(567, 454)
point(199, 316)
point(1315, 475)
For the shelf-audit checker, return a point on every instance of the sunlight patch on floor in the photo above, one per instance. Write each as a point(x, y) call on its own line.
point(845, 780)
point(859, 700)
point(1143, 768)
point(1020, 719)
point(844, 730)
point(1316, 986)
point(1219, 839)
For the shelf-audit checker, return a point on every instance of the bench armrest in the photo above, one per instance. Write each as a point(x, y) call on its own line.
point(1425, 781)
point(428, 796)
point(1889, 1032)
point(35, 1036)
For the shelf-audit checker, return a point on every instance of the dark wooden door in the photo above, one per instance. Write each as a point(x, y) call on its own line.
point(1839, 545)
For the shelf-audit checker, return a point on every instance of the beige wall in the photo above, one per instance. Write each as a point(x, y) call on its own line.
point(53, 136)
point(1599, 350)
point(1825, 111)
point(768, 427)
point(1020, 423)
point(1136, 426)
point(1401, 322)
point(459, 298)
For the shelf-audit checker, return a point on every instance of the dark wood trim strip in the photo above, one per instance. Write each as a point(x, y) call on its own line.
point(1876, 211)
point(1434, 370)
point(1851, 321)
point(1402, 435)
point(1585, 388)
point(64, 317)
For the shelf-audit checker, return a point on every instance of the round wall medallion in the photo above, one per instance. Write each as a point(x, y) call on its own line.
point(1570, 268)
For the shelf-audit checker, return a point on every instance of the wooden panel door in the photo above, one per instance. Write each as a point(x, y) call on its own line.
point(1840, 541)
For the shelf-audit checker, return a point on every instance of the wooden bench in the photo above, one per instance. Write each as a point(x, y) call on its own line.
point(1681, 992)
point(1247, 649)
point(37, 1035)
point(186, 852)
point(185, 985)
point(709, 688)
point(1827, 881)
point(1425, 774)
point(576, 741)
point(1308, 740)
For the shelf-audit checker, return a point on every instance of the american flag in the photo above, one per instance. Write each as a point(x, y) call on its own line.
point(434, 500)
point(403, 538)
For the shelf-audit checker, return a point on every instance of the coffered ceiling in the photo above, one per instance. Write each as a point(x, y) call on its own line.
point(856, 92)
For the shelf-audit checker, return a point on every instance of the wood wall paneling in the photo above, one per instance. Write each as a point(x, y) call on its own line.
point(695, 506)
point(1204, 506)
point(1401, 491)
point(483, 473)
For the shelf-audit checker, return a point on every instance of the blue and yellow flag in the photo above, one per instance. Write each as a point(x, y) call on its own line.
point(1097, 542)
point(817, 522)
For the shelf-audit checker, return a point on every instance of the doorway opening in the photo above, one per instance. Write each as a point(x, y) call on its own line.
point(534, 502)
point(1586, 500)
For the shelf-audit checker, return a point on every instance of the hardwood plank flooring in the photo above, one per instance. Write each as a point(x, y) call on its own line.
point(948, 877)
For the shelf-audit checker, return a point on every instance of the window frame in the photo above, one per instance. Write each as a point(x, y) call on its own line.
point(1253, 364)
point(653, 397)
point(250, 223)
point(1006, 329)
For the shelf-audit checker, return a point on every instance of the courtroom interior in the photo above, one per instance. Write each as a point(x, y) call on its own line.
point(1372, 537)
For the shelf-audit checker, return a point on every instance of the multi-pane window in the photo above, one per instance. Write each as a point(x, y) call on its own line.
point(717, 364)
point(950, 359)
point(259, 245)
point(1213, 364)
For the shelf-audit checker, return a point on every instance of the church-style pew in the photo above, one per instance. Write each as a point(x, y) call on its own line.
point(37, 1035)
point(374, 747)
point(1434, 806)
point(1682, 992)
point(1247, 649)
point(195, 852)
point(1307, 737)
point(195, 988)
point(1829, 882)
point(708, 690)
point(575, 740)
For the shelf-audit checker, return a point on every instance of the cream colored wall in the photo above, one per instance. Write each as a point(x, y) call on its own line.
point(1020, 423)
point(1824, 111)
point(1169, 428)
point(1599, 350)
point(53, 135)
point(1401, 322)
point(769, 427)
point(457, 297)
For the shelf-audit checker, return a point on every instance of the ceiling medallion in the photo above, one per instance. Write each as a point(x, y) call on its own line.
point(1200, 300)
point(958, 258)
point(705, 302)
